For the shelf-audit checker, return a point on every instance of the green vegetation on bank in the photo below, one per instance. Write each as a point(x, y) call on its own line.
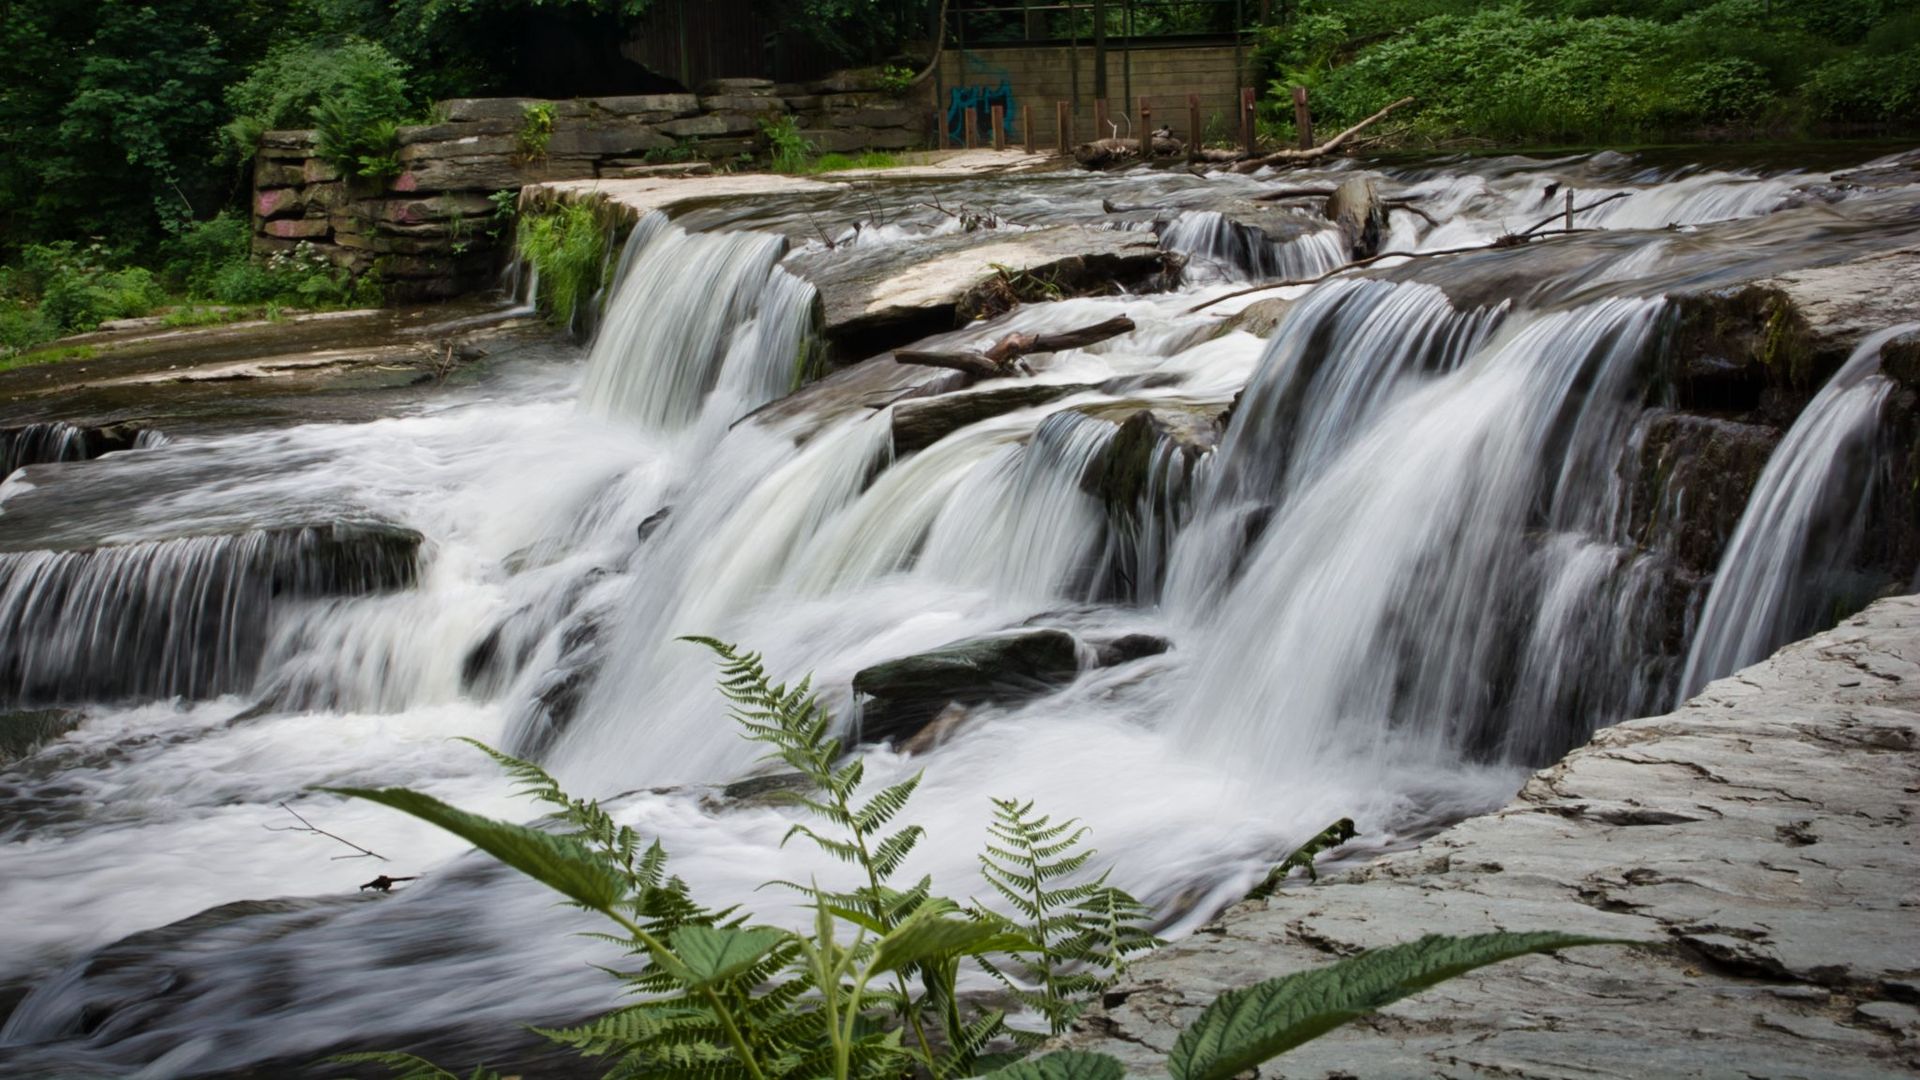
point(62, 288)
point(872, 990)
point(1589, 71)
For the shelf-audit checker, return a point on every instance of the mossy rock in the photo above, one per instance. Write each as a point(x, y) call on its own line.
point(24, 731)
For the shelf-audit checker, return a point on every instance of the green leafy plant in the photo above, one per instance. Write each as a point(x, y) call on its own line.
point(682, 150)
point(536, 131)
point(284, 89)
point(787, 149)
point(568, 245)
point(895, 79)
point(358, 124)
point(717, 996)
point(1080, 933)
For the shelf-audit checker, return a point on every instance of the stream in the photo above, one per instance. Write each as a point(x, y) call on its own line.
point(1408, 573)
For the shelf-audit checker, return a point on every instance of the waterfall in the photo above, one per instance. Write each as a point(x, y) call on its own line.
point(1413, 565)
point(699, 323)
point(1802, 523)
point(1244, 252)
point(167, 618)
point(1380, 607)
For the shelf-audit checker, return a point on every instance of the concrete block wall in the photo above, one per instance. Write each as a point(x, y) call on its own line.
point(430, 232)
point(1165, 75)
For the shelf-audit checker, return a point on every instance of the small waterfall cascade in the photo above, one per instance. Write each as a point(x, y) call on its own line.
point(1377, 565)
point(1380, 611)
point(1802, 523)
point(48, 444)
point(699, 323)
point(174, 618)
point(1242, 252)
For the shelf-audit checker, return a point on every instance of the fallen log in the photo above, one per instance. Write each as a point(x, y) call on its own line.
point(1294, 157)
point(999, 360)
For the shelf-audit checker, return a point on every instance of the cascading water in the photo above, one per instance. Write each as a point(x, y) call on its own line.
point(1776, 581)
point(1404, 575)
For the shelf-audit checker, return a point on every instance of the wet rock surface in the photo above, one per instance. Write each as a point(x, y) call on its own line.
point(1759, 840)
point(882, 297)
point(907, 694)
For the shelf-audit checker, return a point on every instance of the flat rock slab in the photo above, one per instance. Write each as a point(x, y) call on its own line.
point(884, 296)
point(1760, 838)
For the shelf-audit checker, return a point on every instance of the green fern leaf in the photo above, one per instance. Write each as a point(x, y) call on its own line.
point(712, 954)
point(1062, 1065)
point(558, 862)
point(1245, 1027)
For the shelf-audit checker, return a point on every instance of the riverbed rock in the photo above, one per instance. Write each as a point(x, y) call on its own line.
point(23, 731)
point(885, 296)
point(1695, 475)
point(1759, 841)
point(920, 422)
point(904, 695)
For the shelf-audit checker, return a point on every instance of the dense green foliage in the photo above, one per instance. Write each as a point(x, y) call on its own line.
point(568, 244)
point(715, 996)
point(1592, 70)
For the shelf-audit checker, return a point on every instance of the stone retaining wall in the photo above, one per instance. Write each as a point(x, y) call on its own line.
point(431, 232)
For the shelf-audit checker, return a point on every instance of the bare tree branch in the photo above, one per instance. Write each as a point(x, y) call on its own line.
point(306, 826)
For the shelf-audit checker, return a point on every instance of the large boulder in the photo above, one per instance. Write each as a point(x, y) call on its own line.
point(904, 695)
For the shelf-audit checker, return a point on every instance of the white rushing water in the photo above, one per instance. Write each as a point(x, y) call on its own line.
point(1402, 579)
point(1805, 515)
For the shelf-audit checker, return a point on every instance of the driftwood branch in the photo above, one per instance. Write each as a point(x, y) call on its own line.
point(1560, 214)
point(1509, 240)
point(1291, 157)
point(383, 883)
point(306, 826)
point(1000, 359)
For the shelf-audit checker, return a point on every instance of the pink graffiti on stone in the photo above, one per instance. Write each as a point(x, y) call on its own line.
point(406, 182)
point(267, 202)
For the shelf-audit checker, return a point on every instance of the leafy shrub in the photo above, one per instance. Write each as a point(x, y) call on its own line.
point(357, 121)
point(716, 996)
point(361, 83)
point(1867, 87)
point(213, 261)
point(568, 245)
point(896, 79)
point(786, 147)
point(78, 289)
point(22, 326)
point(536, 130)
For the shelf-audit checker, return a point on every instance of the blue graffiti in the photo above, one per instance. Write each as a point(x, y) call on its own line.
point(980, 99)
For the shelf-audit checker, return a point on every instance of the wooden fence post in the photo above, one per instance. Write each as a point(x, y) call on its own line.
point(1569, 209)
point(1026, 126)
point(999, 115)
point(1194, 133)
point(1146, 121)
point(971, 122)
point(1063, 127)
point(1100, 129)
point(1302, 117)
point(1246, 119)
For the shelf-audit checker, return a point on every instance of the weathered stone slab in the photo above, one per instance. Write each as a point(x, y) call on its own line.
point(835, 140)
point(874, 118)
point(419, 133)
point(746, 103)
point(278, 202)
point(514, 109)
point(606, 141)
point(299, 140)
point(666, 106)
point(712, 124)
point(1760, 840)
point(273, 173)
point(296, 228)
point(737, 86)
point(465, 146)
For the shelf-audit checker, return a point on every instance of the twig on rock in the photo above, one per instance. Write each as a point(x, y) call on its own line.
point(306, 826)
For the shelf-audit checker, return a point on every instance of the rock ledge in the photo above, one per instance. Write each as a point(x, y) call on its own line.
point(1762, 835)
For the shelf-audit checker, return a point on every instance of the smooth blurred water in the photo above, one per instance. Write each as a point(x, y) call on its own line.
point(1398, 583)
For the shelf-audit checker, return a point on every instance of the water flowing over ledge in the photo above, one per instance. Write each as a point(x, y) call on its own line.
point(1376, 552)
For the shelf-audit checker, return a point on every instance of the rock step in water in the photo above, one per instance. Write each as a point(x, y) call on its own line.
point(187, 617)
point(47, 444)
point(1760, 840)
point(905, 696)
